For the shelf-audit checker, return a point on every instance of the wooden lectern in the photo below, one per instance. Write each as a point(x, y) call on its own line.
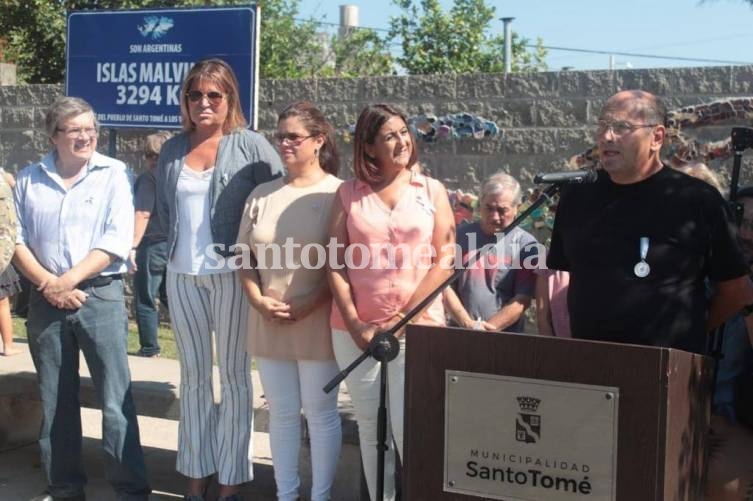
point(661, 422)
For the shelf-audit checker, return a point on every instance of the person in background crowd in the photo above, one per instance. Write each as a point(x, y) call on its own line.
point(699, 170)
point(552, 317)
point(9, 280)
point(204, 175)
point(745, 197)
point(389, 205)
point(84, 199)
point(736, 349)
point(463, 206)
point(735, 373)
point(494, 292)
point(148, 256)
point(729, 474)
point(288, 331)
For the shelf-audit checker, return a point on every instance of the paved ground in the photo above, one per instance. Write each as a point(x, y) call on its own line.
point(21, 477)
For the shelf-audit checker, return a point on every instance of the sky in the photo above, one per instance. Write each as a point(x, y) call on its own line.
point(719, 31)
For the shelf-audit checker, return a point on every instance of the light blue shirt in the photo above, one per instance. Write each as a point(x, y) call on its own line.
point(62, 225)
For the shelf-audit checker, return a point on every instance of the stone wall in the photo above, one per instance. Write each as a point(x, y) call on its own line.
point(544, 118)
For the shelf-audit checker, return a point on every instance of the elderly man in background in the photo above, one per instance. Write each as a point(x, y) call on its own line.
point(495, 291)
point(75, 215)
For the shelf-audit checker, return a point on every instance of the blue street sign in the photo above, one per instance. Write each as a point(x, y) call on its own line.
point(130, 64)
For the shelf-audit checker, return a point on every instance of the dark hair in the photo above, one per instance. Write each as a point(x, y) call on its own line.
point(372, 118)
point(745, 192)
point(316, 125)
point(221, 74)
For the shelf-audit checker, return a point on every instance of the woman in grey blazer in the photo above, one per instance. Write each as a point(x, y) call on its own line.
point(204, 176)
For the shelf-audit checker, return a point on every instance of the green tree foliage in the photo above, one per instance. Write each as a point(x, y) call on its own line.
point(287, 49)
point(34, 32)
point(457, 41)
point(361, 52)
point(32, 35)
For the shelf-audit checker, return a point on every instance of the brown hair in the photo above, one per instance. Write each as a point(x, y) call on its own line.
point(221, 74)
point(316, 125)
point(372, 118)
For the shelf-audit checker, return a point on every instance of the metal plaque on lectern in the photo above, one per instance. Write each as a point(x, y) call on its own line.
point(522, 439)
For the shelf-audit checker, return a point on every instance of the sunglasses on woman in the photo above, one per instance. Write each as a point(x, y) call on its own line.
point(213, 97)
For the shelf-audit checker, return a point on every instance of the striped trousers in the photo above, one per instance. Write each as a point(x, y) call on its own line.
point(212, 439)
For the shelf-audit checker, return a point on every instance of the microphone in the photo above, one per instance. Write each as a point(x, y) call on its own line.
point(568, 177)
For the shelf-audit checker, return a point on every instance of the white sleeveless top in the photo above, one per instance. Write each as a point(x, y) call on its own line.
point(193, 253)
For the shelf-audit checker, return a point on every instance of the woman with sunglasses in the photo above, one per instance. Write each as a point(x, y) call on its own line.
point(289, 333)
point(394, 235)
point(204, 176)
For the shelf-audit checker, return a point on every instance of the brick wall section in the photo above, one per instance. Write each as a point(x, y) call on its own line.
point(544, 117)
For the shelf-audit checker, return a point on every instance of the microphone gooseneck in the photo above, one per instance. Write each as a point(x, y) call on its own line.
point(567, 177)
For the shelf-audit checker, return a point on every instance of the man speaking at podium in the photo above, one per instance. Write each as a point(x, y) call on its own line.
point(641, 241)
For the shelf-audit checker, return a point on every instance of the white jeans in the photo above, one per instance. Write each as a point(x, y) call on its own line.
point(290, 385)
point(363, 385)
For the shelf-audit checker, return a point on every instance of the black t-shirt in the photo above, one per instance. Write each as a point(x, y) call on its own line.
point(691, 237)
point(145, 199)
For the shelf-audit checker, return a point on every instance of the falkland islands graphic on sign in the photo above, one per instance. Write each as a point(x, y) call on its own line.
point(155, 27)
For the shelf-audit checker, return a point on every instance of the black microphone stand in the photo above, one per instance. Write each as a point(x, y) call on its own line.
point(742, 138)
point(385, 347)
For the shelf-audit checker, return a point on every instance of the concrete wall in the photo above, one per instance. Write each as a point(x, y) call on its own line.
point(544, 117)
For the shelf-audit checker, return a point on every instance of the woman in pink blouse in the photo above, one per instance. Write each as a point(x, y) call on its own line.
point(394, 244)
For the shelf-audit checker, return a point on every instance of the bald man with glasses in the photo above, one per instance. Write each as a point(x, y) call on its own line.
point(642, 240)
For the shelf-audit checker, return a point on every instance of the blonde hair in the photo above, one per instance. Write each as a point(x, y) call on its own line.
point(153, 142)
point(700, 170)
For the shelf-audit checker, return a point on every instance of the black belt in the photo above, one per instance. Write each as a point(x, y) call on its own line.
point(99, 281)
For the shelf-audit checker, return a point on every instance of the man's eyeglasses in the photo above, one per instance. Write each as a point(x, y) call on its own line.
point(76, 132)
point(292, 138)
point(619, 128)
point(213, 97)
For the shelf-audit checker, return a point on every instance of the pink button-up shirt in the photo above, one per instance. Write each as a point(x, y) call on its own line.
point(390, 250)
